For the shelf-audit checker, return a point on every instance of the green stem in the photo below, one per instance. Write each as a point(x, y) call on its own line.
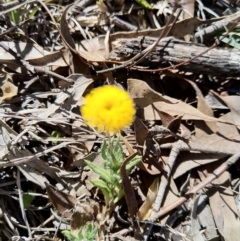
point(110, 143)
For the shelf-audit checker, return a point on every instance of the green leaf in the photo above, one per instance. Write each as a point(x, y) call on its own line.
point(120, 195)
point(233, 41)
point(99, 170)
point(88, 228)
point(144, 3)
point(133, 163)
point(92, 234)
point(55, 134)
point(105, 151)
point(80, 233)
point(102, 185)
point(107, 193)
point(69, 235)
point(27, 200)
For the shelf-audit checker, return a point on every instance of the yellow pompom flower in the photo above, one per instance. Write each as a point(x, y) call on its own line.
point(108, 108)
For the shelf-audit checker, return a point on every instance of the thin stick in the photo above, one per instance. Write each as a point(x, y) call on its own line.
point(216, 173)
point(24, 216)
point(31, 68)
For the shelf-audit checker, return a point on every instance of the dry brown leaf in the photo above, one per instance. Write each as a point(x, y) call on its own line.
point(214, 200)
point(146, 208)
point(171, 195)
point(34, 54)
point(203, 127)
point(227, 138)
point(81, 83)
point(143, 95)
point(130, 196)
point(216, 207)
point(141, 131)
point(188, 12)
point(173, 124)
point(230, 213)
point(223, 205)
point(84, 212)
point(231, 224)
point(63, 202)
point(65, 32)
point(233, 102)
point(165, 118)
point(195, 228)
point(78, 65)
point(94, 50)
point(129, 147)
point(226, 192)
point(179, 109)
point(188, 8)
point(205, 218)
point(33, 175)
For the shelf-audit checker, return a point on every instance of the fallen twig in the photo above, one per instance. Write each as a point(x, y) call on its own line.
point(216, 173)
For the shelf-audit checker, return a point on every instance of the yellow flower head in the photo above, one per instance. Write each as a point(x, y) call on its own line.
point(108, 108)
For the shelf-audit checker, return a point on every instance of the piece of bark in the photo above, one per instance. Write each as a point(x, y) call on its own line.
point(170, 51)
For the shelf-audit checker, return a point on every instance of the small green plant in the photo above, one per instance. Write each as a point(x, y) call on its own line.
point(232, 39)
point(110, 178)
point(144, 3)
point(56, 134)
point(27, 199)
point(109, 109)
point(86, 233)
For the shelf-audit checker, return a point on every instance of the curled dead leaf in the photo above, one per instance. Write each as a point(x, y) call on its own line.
point(84, 212)
point(8, 91)
point(63, 202)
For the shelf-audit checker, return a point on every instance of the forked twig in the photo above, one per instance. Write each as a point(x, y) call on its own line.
point(216, 173)
point(176, 148)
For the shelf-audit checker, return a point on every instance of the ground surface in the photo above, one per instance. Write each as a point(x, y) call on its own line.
point(179, 62)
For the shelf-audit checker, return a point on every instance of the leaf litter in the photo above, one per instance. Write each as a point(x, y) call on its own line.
point(186, 128)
